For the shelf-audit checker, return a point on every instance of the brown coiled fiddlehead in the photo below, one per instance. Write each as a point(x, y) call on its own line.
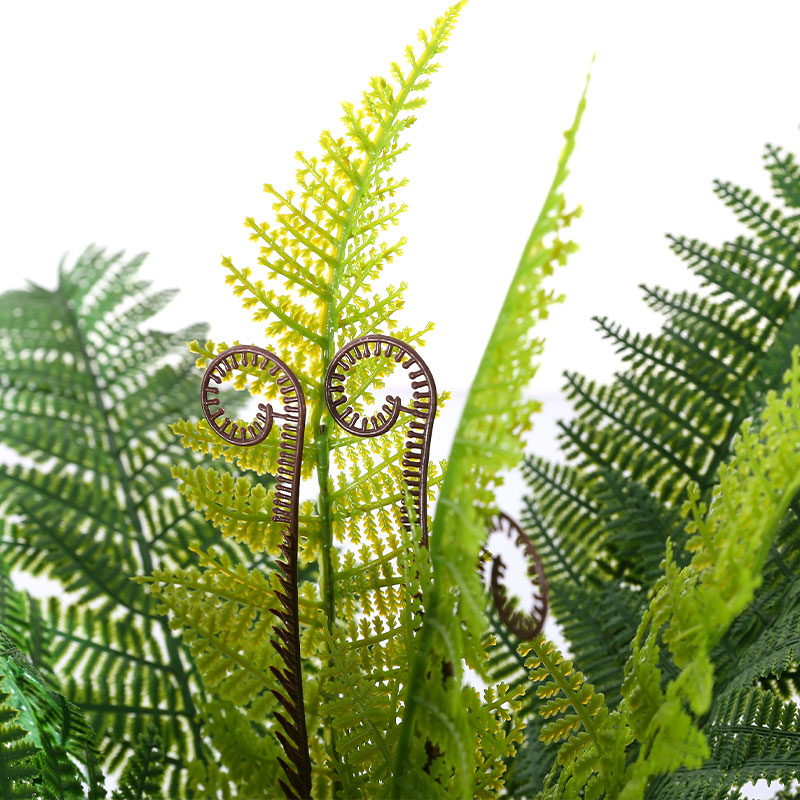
point(421, 410)
point(524, 625)
point(285, 511)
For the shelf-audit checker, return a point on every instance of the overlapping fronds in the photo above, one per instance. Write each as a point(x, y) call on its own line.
point(730, 539)
point(677, 720)
point(87, 397)
point(638, 450)
point(487, 442)
point(326, 249)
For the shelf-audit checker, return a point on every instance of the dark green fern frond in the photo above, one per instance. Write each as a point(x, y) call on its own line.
point(88, 398)
point(785, 174)
point(24, 626)
point(56, 750)
point(731, 539)
point(529, 770)
point(141, 778)
point(19, 773)
point(669, 420)
point(715, 738)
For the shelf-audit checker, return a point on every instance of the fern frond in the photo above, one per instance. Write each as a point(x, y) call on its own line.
point(62, 762)
point(141, 778)
point(593, 755)
point(785, 175)
point(18, 769)
point(486, 442)
point(326, 250)
point(90, 396)
point(730, 540)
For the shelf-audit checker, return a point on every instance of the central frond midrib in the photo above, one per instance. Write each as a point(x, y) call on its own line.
point(331, 323)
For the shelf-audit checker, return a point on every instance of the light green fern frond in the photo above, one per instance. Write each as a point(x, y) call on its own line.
point(487, 442)
point(595, 739)
point(326, 250)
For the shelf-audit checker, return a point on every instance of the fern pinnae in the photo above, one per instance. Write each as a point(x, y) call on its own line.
point(285, 511)
point(596, 748)
point(325, 249)
point(141, 778)
point(96, 506)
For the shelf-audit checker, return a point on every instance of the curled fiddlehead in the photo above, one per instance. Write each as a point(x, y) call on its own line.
point(524, 625)
point(285, 511)
point(421, 410)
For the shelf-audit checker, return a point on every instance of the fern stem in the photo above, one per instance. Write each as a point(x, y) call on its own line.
point(130, 506)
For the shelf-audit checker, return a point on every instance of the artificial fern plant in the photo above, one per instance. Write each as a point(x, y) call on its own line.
point(670, 537)
point(387, 708)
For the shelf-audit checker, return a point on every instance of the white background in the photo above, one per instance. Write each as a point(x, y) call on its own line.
point(152, 126)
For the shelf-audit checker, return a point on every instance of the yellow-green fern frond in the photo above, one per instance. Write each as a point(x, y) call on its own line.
point(693, 607)
point(319, 283)
point(593, 750)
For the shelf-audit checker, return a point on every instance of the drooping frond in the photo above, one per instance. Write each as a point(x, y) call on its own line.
point(88, 397)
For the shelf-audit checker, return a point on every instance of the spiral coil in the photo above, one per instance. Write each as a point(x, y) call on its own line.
point(285, 506)
point(524, 625)
point(421, 410)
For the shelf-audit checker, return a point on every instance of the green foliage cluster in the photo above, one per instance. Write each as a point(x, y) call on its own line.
point(669, 537)
point(368, 668)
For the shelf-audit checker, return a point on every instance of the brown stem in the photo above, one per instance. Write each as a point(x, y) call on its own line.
point(285, 510)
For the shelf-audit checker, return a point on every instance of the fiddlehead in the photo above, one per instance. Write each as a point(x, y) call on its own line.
point(421, 410)
point(525, 625)
point(285, 510)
